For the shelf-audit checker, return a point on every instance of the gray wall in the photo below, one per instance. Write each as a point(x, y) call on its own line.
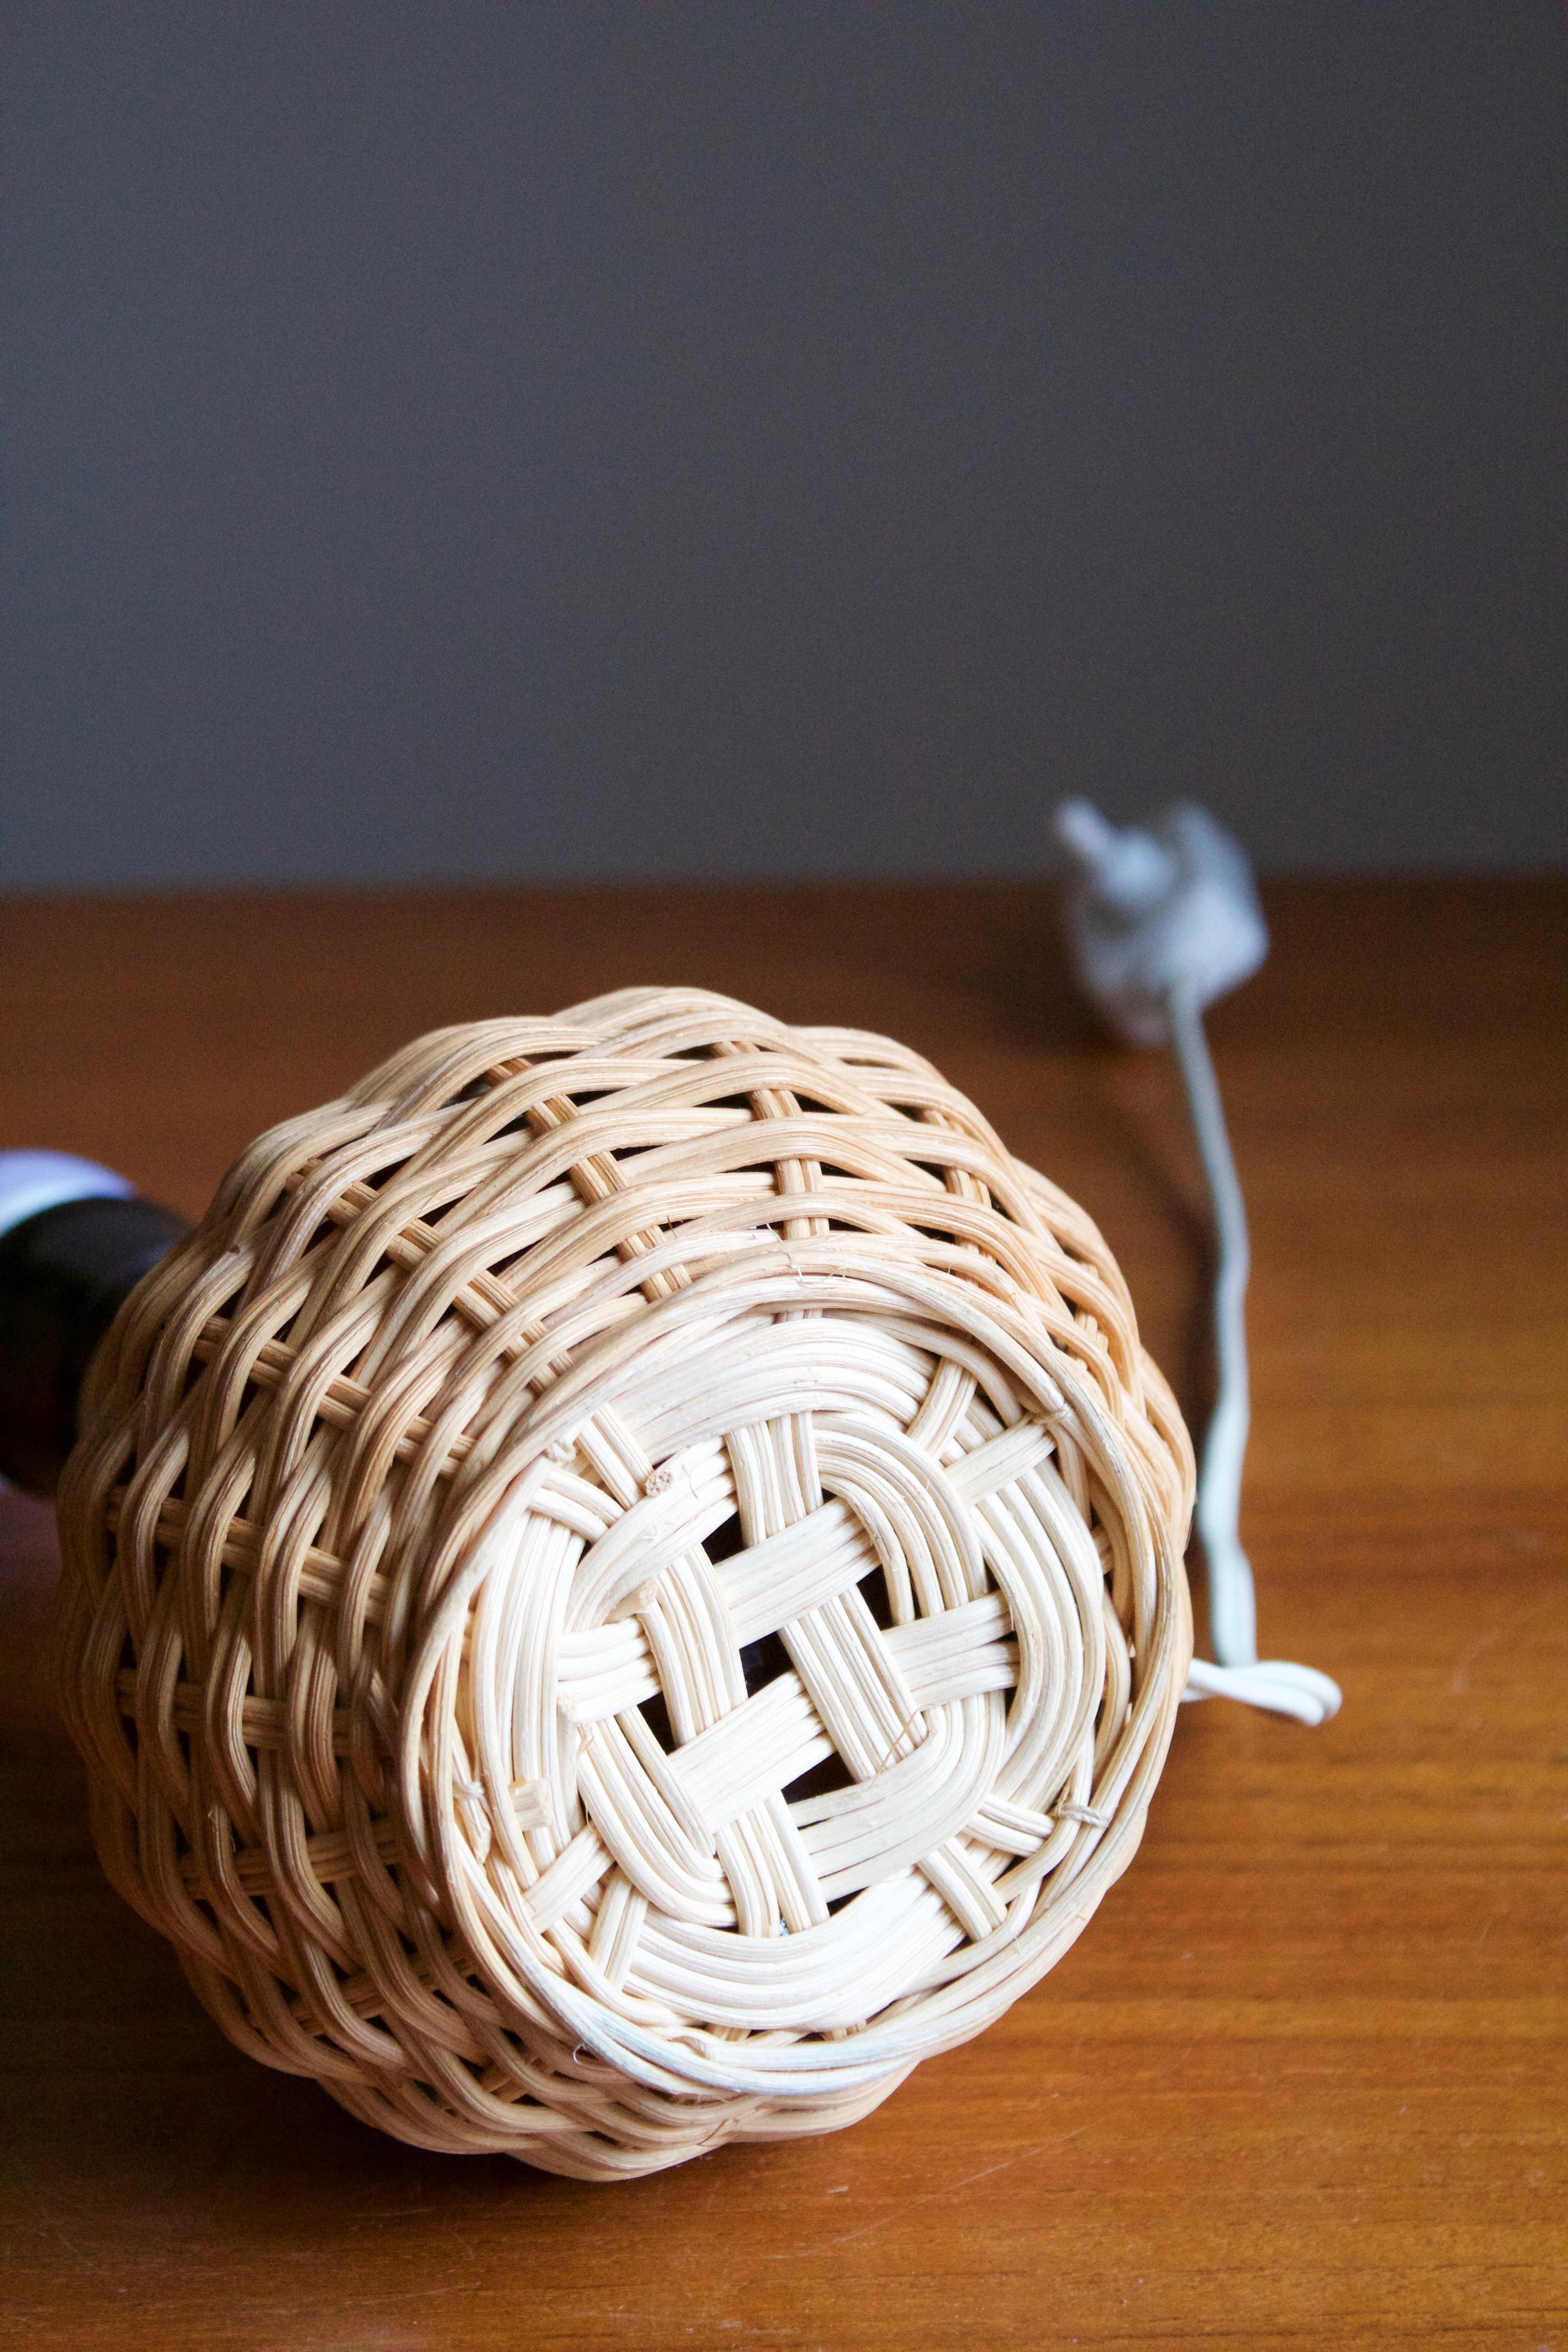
point(584, 440)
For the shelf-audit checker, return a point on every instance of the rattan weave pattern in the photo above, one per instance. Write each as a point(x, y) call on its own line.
point(624, 1586)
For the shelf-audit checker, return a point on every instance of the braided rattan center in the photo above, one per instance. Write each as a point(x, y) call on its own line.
point(624, 1586)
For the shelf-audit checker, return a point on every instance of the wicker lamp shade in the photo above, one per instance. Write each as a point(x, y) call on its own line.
point(624, 1586)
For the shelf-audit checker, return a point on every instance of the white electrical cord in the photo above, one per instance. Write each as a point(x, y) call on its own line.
point(1162, 922)
point(1271, 1682)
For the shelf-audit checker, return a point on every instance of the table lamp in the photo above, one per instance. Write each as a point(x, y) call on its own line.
point(624, 1585)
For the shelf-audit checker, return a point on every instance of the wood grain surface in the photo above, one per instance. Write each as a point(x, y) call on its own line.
point(1302, 2081)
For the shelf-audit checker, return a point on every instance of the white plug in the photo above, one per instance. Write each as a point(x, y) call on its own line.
point(1152, 911)
point(1162, 923)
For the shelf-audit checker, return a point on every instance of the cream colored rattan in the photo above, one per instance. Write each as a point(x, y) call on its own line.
point(438, 1496)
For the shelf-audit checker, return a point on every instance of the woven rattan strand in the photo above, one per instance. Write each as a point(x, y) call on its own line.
point(624, 1586)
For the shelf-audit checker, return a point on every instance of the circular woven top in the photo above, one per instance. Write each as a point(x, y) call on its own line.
point(625, 1585)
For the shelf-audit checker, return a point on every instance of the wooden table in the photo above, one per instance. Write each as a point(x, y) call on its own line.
point(1302, 2081)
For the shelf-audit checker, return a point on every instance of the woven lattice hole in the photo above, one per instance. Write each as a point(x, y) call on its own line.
point(821, 1780)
